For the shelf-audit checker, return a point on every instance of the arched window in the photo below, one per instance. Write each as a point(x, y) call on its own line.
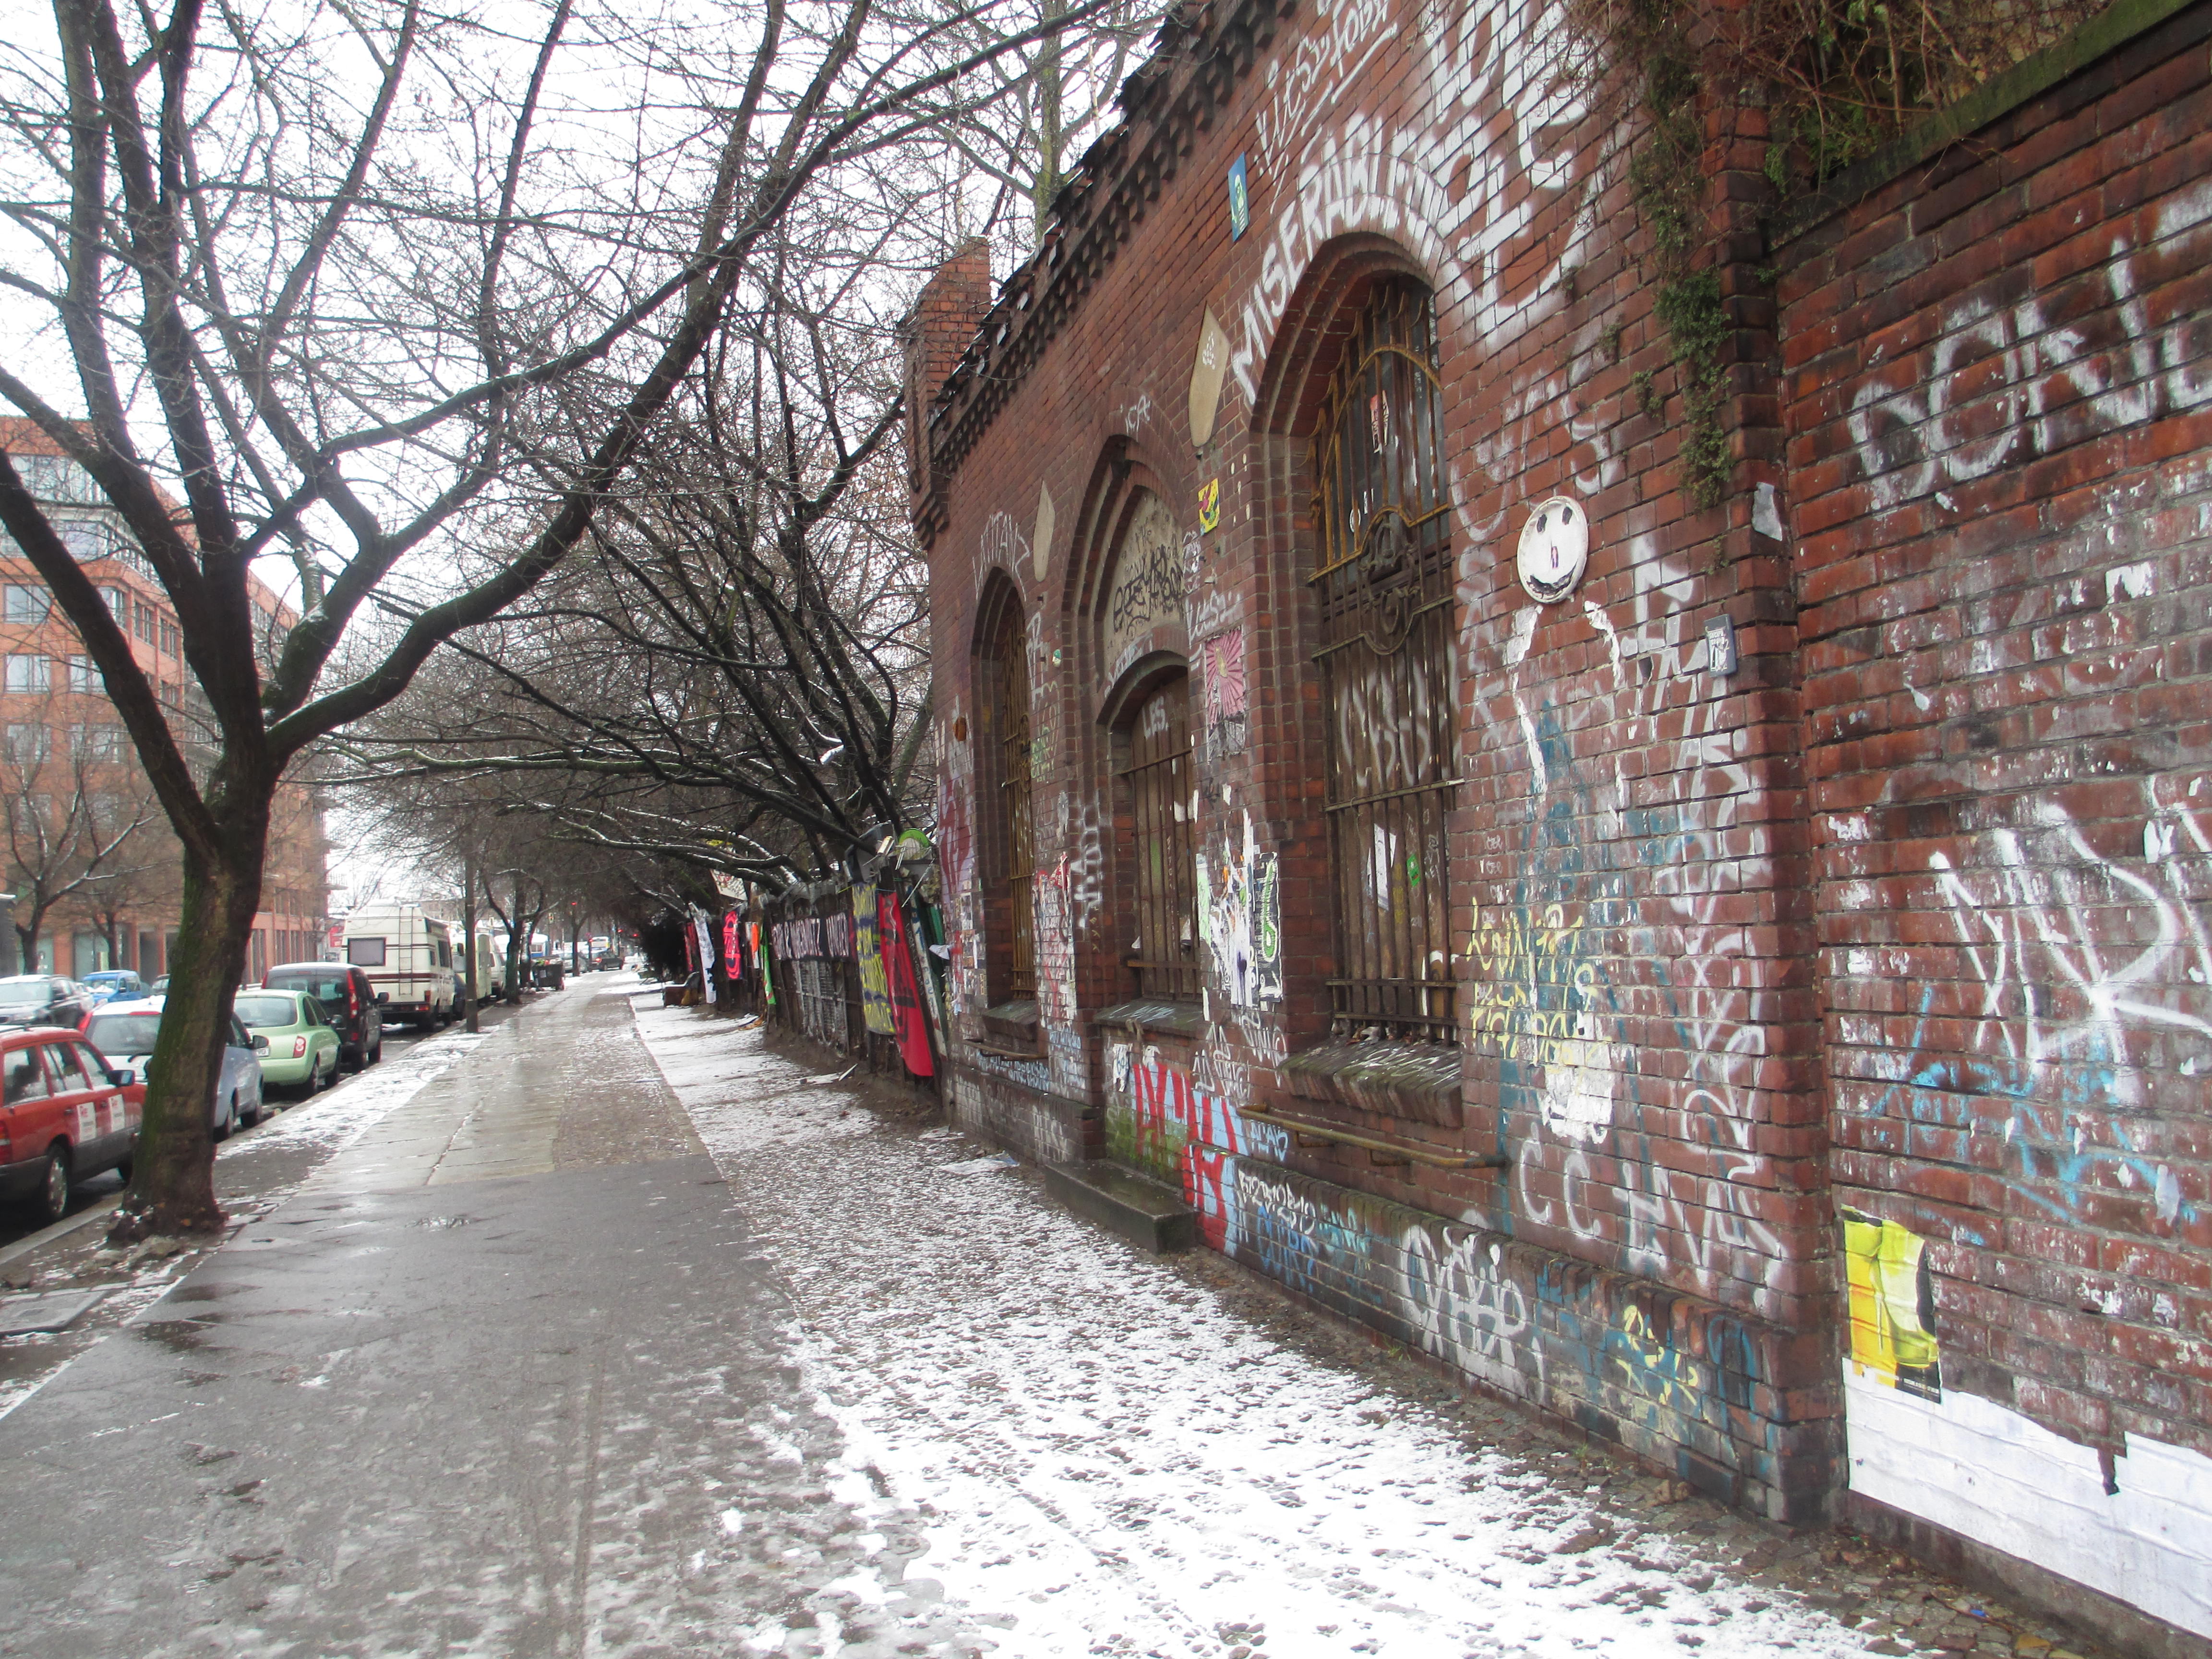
point(1384, 581)
point(1010, 899)
point(1163, 947)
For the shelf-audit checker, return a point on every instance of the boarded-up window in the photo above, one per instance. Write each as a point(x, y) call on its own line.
point(1383, 578)
point(1164, 950)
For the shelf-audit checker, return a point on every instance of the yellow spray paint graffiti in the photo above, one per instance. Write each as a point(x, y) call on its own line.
point(1533, 996)
point(1892, 1306)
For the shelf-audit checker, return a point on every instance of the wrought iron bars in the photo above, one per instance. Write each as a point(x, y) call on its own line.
point(1384, 581)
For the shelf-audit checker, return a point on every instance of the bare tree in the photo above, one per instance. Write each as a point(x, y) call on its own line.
point(351, 284)
point(739, 681)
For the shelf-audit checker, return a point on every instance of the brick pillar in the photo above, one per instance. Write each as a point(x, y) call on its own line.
point(945, 318)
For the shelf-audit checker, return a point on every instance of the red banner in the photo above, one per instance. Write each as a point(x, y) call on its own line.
point(907, 1020)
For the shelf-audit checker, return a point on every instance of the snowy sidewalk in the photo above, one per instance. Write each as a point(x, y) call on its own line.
point(1114, 1462)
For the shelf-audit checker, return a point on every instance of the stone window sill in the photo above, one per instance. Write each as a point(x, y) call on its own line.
point(1155, 1015)
point(1012, 1025)
point(1420, 1081)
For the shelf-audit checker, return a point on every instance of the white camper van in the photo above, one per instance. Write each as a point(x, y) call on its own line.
point(408, 959)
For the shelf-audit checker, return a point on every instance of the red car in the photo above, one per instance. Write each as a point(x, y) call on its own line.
point(63, 1116)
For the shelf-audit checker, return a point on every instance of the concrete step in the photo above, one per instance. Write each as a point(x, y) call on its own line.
point(1149, 1214)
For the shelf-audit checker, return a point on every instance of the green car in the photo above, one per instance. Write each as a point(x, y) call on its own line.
point(303, 1045)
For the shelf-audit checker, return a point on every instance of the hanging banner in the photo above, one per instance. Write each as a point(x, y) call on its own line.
point(700, 924)
point(732, 955)
point(907, 1015)
point(767, 979)
point(875, 994)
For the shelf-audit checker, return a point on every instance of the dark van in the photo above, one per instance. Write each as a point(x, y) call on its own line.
point(343, 991)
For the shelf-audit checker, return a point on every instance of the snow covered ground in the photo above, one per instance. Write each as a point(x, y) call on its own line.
point(1110, 1460)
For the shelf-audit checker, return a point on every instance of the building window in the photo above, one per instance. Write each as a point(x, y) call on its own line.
point(1012, 930)
point(26, 745)
point(26, 673)
point(145, 615)
point(86, 540)
point(26, 604)
point(1384, 581)
point(82, 675)
point(118, 606)
point(173, 639)
point(1164, 949)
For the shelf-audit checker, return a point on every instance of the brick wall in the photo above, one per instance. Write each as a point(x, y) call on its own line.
point(1999, 404)
point(1916, 875)
point(1627, 851)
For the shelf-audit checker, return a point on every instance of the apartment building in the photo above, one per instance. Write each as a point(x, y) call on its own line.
point(88, 851)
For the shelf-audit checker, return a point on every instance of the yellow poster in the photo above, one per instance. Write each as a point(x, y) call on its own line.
point(1893, 1305)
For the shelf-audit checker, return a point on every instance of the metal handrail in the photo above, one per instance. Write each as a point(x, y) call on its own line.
point(1420, 1155)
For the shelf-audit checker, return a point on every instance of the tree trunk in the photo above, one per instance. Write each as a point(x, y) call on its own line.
point(173, 1172)
point(469, 934)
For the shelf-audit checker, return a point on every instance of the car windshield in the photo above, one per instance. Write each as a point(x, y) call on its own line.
point(124, 1033)
point(267, 1010)
point(31, 992)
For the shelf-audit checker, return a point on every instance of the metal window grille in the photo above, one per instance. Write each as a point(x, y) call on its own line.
point(1164, 952)
point(1020, 837)
point(1383, 578)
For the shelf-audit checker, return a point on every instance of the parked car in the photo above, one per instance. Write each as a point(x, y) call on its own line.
point(63, 1116)
point(123, 1033)
point(44, 999)
point(352, 1006)
point(115, 985)
point(303, 1045)
point(609, 959)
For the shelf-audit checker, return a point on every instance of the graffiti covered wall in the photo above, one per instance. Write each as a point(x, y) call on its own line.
point(1828, 949)
point(2005, 511)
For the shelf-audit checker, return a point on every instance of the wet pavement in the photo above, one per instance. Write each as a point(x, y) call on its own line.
point(629, 1334)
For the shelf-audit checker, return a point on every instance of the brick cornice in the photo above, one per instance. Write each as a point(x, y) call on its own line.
point(1204, 51)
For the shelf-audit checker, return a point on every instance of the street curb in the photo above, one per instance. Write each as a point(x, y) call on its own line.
point(62, 1229)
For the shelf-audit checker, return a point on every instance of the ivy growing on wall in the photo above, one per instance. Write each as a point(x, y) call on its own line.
point(1837, 79)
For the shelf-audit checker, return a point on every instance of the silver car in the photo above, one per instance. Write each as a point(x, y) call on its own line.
point(124, 1032)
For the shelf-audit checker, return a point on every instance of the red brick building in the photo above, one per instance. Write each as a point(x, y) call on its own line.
point(71, 789)
point(1734, 976)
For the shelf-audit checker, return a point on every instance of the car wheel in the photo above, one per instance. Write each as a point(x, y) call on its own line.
point(376, 1053)
point(58, 1190)
point(249, 1119)
point(228, 1121)
point(313, 1085)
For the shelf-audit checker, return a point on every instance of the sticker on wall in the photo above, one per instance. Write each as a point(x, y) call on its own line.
point(1240, 200)
point(1209, 506)
point(1207, 372)
point(1040, 542)
point(1554, 549)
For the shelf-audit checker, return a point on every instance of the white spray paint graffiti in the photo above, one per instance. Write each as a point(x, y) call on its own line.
point(1537, 995)
point(2053, 386)
point(1464, 1309)
point(1492, 59)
